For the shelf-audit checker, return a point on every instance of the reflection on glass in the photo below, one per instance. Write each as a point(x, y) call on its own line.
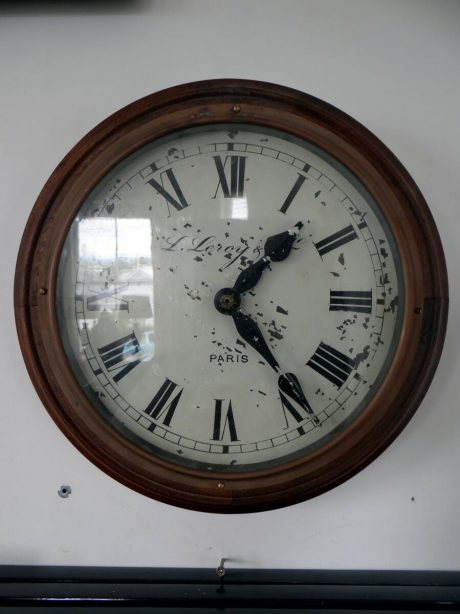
point(106, 239)
point(116, 256)
point(239, 209)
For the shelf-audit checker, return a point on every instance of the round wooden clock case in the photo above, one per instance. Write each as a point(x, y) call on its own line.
point(231, 296)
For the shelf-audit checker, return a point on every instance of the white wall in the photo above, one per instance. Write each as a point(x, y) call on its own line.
point(64, 66)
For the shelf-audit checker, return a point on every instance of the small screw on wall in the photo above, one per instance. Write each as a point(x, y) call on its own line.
point(220, 571)
point(65, 491)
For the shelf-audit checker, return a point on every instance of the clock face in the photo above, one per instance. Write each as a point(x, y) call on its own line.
point(230, 296)
point(189, 215)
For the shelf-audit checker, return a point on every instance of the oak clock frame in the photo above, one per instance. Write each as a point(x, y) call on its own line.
point(305, 117)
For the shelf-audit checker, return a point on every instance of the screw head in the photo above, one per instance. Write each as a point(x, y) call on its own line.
point(65, 491)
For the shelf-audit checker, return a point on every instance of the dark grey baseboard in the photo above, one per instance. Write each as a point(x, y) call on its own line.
point(170, 591)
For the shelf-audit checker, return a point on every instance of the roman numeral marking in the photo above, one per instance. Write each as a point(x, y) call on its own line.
point(162, 404)
point(106, 301)
point(120, 355)
point(290, 390)
point(351, 300)
point(177, 200)
point(331, 364)
point(223, 421)
point(336, 240)
point(293, 193)
point(237, 173)
point(287, 405)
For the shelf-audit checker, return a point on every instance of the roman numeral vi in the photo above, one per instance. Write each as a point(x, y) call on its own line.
point(223, 421)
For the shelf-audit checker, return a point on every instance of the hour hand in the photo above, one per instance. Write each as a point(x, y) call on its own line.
point(249, 277)
point(251, 333)
point(276, 248)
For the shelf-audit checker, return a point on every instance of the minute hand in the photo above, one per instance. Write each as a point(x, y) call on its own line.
point(252, 334)
point(287, 382)
point(276, 248)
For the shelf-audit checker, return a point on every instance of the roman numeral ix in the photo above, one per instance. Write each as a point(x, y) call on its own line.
point(106, 301)
point(121, 356)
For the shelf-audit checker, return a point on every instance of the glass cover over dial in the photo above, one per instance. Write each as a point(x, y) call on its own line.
point(229, 297)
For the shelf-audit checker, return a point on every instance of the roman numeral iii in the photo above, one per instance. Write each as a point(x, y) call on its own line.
point(121, 356)
point(232, 168)
point(331, 364)
point(351, 300)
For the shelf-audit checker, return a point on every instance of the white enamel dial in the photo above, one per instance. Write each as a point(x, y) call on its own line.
point(178, 221)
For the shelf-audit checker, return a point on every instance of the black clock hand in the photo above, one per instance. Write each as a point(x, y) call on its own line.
point(276, 248)
point(228, 300)
point(287, 382)
point(251, 333)
point(290, 385)
point(249, 277)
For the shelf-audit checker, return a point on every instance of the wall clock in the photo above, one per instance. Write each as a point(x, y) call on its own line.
point(231, 296)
